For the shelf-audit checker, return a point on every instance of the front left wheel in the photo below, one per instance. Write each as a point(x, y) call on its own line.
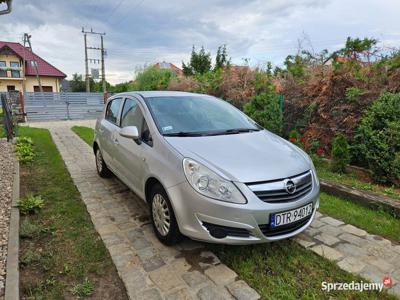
point(101, 166)
point(163, 217)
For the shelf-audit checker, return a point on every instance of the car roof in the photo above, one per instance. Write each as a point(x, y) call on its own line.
point(150, 94)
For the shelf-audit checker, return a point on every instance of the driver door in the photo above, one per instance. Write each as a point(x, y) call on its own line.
point(131, 156)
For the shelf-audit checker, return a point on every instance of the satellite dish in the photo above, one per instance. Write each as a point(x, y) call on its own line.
point(7, 10)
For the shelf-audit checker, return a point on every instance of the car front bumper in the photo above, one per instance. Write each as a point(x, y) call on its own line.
point(196, 213)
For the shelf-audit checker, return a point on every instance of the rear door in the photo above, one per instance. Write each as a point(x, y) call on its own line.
point(107, 131)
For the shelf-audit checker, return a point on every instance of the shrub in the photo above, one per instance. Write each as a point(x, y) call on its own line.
point(264, 109)
point(340, 153)
point(30, 204)
point(377, 139)
point(24, 149)
point(354, 93)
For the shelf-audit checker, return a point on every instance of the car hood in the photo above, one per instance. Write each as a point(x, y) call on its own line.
point(245, 157)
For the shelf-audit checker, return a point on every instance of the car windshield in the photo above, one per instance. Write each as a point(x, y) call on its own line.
point(197, 116)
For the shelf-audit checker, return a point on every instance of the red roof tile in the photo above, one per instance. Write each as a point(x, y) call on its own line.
point(44, 68)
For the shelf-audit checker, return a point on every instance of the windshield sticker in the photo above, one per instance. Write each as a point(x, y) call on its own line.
point(167, 128)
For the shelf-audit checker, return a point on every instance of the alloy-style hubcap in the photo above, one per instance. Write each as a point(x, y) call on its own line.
point(99, 161)
point(161, 214)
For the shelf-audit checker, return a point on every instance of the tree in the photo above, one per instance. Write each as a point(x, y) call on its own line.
point(264, 109)
point(200, 62)
point(77, 84)
point(152, 79)
point(357, 49)
point(221, 59)
point(340, 153)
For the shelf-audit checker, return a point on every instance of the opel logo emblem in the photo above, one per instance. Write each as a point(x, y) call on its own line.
point(290, 186)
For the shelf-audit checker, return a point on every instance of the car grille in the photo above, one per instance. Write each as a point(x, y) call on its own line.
point(269, 231)
point(275, 192)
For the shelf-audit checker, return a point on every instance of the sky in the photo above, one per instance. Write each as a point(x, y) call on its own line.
point(143, 32)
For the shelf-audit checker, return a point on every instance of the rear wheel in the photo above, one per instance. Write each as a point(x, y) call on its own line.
point(101, 166)
point(163, 217)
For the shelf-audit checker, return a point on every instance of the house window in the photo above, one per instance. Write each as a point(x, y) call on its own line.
point(46, 89)
point(34, 63)
point(15, 73)
point(3, 73)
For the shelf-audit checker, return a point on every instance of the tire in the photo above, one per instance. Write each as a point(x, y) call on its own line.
point(101, 166)
point(163, 217)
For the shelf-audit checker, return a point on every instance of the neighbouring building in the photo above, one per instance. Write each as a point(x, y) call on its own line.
point(169, 66)
point(13, 55)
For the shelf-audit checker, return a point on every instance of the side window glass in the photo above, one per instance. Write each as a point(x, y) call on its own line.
point(132, 116)
point(112, 110)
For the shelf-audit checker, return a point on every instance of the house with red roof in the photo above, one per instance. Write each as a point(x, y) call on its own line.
point(18, 69)
point(169, 66)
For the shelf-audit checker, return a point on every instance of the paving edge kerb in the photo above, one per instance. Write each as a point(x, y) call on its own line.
point(12, 267)
point(365, 198)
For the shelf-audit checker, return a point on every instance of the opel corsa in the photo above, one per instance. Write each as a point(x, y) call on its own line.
point(206, 170)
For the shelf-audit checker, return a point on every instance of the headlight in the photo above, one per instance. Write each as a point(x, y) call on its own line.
point(314, 171)
point(209, 184)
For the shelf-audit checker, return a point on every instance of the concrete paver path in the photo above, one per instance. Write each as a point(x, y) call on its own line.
point(150, 270)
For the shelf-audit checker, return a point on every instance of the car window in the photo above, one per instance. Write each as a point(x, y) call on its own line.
point(132, 116)
point(112, 110)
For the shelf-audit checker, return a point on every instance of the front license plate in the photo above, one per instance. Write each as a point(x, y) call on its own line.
point(291, 216)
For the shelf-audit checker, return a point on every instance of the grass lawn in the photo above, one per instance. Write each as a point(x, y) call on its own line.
point(376, 221)
point(85, 133)
point(285, 270)
point(61, 254)
point(358, 182)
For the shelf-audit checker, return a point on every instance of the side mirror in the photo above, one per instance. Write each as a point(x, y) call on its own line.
point(130, 132)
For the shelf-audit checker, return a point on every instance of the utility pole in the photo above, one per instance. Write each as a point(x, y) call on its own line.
point(27, 41)
point(87, 59)
point(86, 65)
point(103, 69)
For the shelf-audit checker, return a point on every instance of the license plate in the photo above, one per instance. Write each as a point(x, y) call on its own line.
point(291, 216)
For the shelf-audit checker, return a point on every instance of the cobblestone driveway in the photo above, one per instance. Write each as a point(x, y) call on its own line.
point(148, 269)
point(153, 271)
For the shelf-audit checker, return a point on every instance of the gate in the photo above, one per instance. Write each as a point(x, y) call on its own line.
point(63, 106)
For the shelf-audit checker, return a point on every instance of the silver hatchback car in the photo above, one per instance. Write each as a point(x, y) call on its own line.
point(206, 170)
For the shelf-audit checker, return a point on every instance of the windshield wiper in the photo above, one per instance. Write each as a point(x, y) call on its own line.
point(183, 133)
point(234, 131)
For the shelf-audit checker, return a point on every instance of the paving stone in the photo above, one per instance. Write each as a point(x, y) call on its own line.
point(354, 230)
point(331, 230)
point(351, 264)
point(210, 293)
point(331, 221)
point(152, 263)
point(351, 250)
point(151, 294)
point(211, 257)
point(326, 239)
point(318, 215)
point(241, 291)
point(327, 252)
point(180, 265)
point(221, 274)
point(134, 280)
point(303, 242)
point(317, 223)
point(380, 263)
point(182, 294)
point(311, 231)
point(194, 279)
point(372, 273)
point(353, 239)
point(165, 278)
point(395, 290)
